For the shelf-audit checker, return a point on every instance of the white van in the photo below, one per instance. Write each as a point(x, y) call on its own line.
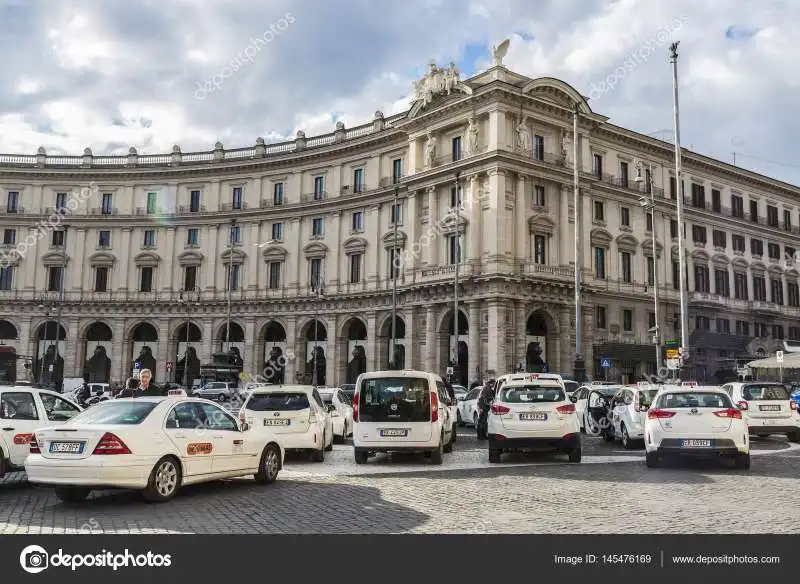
point(401, 411)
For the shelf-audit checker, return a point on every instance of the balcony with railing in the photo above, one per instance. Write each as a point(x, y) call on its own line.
point(234, 206)
point(14, 210)
point(315, 197)
point(548, 272)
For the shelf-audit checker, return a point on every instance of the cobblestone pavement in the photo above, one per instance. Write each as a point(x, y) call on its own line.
point(611, 491)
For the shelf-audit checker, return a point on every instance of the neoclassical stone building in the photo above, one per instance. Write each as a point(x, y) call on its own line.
point(153, 241)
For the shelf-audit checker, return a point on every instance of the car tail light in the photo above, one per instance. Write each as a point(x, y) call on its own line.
point(499, 410)
point(34, 446)
point(22, 439)
point(793, 405)
point(312, 416)
point(566, 409)
point(729, 413)
point(111, 444)
point(658, 414)
point(742, 405)
point(434, 407)
point(355, 407)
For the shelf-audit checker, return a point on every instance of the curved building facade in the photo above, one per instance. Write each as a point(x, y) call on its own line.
point(281, 248)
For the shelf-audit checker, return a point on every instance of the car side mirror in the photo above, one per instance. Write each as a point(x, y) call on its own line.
point(573, 399)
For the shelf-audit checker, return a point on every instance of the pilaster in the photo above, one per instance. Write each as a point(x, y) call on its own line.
point(475, 345)
point(372, 341)
point(474, 229)
point(30, 262)
point(252, 360)
point(76, 244)
point(291, 345)
point(169, 261)
point(566, 353)
point(431, 249)
point(338, 233)
point(431, 348)
point(565, 228)
point(410, 224)
point(496, 345)
point(521, 229)
point(208, 339)
point(254, 262)
point(73, 349)
point(118, 368)
point(123, 275)
point(373, 256)
point(210, 272)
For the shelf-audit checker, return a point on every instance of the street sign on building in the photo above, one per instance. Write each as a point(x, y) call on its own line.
point(169, 366)
point(605, 362)
point(137, 365)
point(450, 370)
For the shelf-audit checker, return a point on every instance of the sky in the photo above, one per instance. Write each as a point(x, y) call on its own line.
point(110, 74)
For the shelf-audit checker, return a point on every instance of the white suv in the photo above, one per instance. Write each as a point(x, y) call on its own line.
point(296, 414)
point(23, 411)
point(768, 408)
point(402, 411)
point(531, 413)
point(695, 422)
point(629, 413)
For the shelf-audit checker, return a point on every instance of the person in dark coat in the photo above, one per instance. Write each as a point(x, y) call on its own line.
point(146, 386)
point(130, 388)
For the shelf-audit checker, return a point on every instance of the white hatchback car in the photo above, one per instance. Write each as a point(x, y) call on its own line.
point(23, 410)
point(534, 413)
point(340, 409)
point(152, 444)
point(295, 413)
point(695, 422)
point(402, 411)
point(768, 408)
point(467, 412)
point(629, 413)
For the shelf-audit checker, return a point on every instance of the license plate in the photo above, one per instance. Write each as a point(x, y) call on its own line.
point(276, 422)
point(769, 408)
point(696, 444)
point(394, 433)
point(534, 417)
point(66, 447)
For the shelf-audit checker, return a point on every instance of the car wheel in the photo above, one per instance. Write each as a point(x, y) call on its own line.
point(459, 421)
point(437, 455)
point(575, 454)
point(329, 447)
point(269, 466)
point(651, 460)
point(164, 482)
point(2, 465)
point(361, 456)
point(792, 437)
point(455, 433)
point(743, 461)
point(627, 443)
point(319, 454)
point(449, 446)
point(71, 494)
point(495, 455)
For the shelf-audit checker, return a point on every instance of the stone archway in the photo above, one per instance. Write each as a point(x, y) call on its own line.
point(454, 348)
point(385, 344)
point(186, 340)
point(8, 332)
point(540, 342)
point(314, 353)
point(237, 341)
point(275, 353)
point(49, 363)
point(144, 347)
point(8, 354)
point(354, 332)
point(97, 352)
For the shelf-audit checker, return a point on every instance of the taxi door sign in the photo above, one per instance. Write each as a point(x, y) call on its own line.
point(199, 448)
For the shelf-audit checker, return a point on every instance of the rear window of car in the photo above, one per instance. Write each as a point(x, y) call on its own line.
point(570, 386)
point(532, 394)
point(116, 412)
point(670, 401)
point(764, 392)
point(402, 399)
point(278, 402)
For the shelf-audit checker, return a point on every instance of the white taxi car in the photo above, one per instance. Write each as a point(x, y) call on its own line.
point(533, 413)
point(629, 412)
point(340, 409)
point(695, 422)
point(467, 412)
point(23, 410)
point(768, 408)
point(402, 411)
point(295, 413)
point(152, 444)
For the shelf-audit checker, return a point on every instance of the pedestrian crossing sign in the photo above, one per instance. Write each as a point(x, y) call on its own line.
point(605, 362)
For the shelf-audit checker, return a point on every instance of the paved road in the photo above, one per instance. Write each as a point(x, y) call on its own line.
point(610, 492)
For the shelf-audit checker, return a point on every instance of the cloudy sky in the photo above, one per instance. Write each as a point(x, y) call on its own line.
point(110, 74)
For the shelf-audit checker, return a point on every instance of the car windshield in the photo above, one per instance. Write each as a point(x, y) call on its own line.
point(532, 394)
point(671, 401)
point(764, 392)
point(129, 413)
point(274, 402)
point(403, 399)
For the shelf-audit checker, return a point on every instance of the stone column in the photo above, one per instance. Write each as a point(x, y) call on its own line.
point(30, 263)
point(431, 347)
point(413, 157)
point(372, 261)
point(431, 250)
point(291, 345)
point(169, 261)
point(565, 229)
point(252, 360)
point(411, 318)
point(475, 348)
point(208, 340)
point(520, 336)
point(123, 275)
point(496, 346)
point(211, 261)
point(373, 344)
point(73, 347)
point(77, 247)
point(588, 339)
point(296, 276)
point(409, 225)
point(523, 249)
point(475, 204)
point(254, 258)
point(566, 353)
point(336, 236)
point(254, 200)
point(215, 196)
point(332, 354)
point(164, 351)
point(119, 370)
point(494, 226)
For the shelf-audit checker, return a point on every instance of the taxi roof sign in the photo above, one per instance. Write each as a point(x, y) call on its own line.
point(688, 384)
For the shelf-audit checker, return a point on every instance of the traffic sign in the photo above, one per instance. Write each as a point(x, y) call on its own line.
point(450, 370)
point(673, 353)
point(779, 356)
point(169, 366)
point(672, 343)
point(605, 362)
point(137, 365)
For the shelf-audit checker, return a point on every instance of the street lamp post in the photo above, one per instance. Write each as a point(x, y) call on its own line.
point(580, 367)
point(394, 268)
point(679, 196)
point(457, 258)
point(650, 203)
point(230, 282)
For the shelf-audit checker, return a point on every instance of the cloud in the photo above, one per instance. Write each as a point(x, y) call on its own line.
point(111, 74)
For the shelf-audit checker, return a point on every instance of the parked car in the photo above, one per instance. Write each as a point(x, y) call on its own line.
point(768, 408)
point(340, 409)
point(23, 411)
point(220, 391)
point(467, 413)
